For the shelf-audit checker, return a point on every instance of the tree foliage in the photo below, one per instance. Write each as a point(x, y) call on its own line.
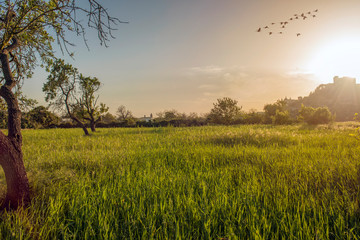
point(252, 117)
point(31, 27)
point(225, 111)
point(39, 117)
point(170, 115)
point(68, 90)
point(90, 110)
point(314, 116)
point(271, 110)
point(124, 114)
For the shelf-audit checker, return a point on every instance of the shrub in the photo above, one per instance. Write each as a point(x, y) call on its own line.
point(281, 118)
point(314, 116)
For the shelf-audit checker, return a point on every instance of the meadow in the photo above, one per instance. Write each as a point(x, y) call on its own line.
point(213, 182)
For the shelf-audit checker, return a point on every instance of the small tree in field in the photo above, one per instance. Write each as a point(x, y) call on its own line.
point(90, 110)
point(28, 31)
point(61, 90)
point(225, 111)
point(124, 114)
point(68, 89)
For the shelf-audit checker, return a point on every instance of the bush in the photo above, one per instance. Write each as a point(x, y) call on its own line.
point(281, 118)
point(252, 117)
point(314, 116)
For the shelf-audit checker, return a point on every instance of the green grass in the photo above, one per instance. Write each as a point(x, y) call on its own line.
point(238, 182)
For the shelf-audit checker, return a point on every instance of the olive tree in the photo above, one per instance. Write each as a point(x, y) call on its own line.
point(90, 110)
point(61, 90)
point(67, 89)
point(28, 31)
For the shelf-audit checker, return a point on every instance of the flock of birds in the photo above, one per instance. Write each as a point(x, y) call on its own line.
point(303, 16)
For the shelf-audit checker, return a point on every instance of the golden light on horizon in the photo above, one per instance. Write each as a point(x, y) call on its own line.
point(338, 57)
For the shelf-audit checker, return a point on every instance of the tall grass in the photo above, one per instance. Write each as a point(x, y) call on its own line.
point(239, 182)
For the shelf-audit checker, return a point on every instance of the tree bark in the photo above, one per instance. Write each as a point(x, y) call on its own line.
point(11, 157)
point(92, 126)
point(85, 130)
point(11, 160)
point(82, 125)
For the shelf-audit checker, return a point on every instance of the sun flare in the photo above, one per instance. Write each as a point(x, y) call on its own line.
point(339, 57)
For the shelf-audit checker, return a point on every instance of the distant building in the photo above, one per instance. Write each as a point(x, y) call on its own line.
point(146, 119)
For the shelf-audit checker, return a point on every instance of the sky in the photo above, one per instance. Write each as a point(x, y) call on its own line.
point(186, 54)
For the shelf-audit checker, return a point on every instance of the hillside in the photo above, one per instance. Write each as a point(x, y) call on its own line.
point(342, 97)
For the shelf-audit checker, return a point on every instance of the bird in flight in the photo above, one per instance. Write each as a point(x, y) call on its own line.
point(282, 25)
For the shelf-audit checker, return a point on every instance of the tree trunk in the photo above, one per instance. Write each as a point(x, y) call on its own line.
point(82, 125)
point(11, 159)
point(85, 130)
point(92, 127)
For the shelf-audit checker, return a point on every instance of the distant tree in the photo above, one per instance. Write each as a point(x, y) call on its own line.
point(89, 109)
point(108, 118)
point(41, 117)
point(271, 109)
point(168, 115)
point(314, 116)
point(28, 30)
point(252, 117)
point(61, 90)
point(225, 111)
point(124, 114)
point(281, 118)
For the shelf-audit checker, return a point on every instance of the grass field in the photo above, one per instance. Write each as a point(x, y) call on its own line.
point(238, 182)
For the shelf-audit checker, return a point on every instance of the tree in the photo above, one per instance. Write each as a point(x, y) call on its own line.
point(253, 117)
point(108, 118)
point(281, 118)
point(90, 111)
point(272, 109)
point(124, 114)
point(314, 116)
point(168, 115)
point(41, 117)
point(61, 91)
point(225, 111)
point(28, 31)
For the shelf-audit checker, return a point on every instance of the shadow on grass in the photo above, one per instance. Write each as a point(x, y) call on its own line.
point(258, 139)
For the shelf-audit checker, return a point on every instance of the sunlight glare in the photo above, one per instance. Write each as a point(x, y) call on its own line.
point(338, 57)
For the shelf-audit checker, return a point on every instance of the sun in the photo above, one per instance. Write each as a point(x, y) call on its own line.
point(337, 57)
